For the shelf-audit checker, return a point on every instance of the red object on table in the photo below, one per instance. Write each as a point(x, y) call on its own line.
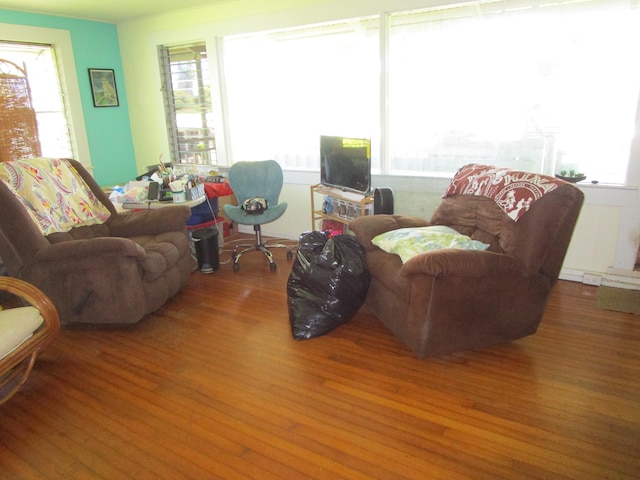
point(213, 190)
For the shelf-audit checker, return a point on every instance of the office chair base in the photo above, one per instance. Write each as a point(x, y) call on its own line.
point(260, 246)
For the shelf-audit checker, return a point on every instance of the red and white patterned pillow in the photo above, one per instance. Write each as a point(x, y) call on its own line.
point(513, 191)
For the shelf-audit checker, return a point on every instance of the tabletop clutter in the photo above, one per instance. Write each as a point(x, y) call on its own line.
point(164, 184)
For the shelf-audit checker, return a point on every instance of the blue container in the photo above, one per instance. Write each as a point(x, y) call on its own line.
point(204, 212)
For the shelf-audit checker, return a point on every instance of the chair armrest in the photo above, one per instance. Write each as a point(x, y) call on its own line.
point(368, 227)
point(34, 297)
point(150, 222)
point(467, 263)
point(89, 248)
point(40, 339)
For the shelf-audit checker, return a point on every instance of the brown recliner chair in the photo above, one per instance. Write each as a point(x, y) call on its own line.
point(449, 300)
point(114, 272)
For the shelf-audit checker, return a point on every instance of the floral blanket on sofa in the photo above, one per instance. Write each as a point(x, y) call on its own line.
point(54, 194)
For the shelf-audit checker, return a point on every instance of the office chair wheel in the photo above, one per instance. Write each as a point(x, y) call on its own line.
point(272, 267)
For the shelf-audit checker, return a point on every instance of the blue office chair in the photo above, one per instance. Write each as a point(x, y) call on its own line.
point(251, 180)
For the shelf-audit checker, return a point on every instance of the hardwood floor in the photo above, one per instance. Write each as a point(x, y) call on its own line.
point(214, 386)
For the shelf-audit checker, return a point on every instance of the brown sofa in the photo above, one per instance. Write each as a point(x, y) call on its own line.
point(449, 300)
point(110, 273)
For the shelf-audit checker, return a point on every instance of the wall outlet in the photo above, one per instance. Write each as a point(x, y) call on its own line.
point(591, 279)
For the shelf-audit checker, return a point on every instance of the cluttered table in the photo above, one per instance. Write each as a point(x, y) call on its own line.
point(166, 187)
point(155, 204)
point(163, 187)
point(211, 190)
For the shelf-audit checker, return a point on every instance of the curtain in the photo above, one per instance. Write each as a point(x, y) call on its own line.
point(18, 125)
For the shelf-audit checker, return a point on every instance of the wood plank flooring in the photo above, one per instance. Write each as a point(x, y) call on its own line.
point(213, 386)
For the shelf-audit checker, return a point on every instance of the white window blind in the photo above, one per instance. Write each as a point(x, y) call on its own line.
point(186, 85)
point(520, 84)
point(286, 88)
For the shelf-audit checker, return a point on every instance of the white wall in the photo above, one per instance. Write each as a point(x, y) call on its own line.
point(608, 231)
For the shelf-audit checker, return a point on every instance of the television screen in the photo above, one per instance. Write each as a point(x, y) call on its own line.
point(346, 163)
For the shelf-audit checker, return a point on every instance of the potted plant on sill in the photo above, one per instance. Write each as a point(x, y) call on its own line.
point(572, 176)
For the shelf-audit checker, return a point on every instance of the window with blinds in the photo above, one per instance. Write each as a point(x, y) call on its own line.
point(187, 100)
point(33, 116)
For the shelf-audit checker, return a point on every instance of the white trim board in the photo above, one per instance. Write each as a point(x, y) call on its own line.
point(613, 278)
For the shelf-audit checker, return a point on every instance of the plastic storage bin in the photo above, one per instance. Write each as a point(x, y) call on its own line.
point(206, 244)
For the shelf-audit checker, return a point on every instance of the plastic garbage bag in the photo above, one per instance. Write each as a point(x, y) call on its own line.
point(327, 285)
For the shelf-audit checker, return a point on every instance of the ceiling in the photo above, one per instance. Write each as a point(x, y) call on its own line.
point(112, 11)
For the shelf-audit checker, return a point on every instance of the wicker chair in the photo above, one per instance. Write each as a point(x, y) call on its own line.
point(24, 332)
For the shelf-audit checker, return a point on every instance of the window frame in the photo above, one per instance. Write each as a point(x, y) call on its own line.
point(60, 40)
point(307, 158)
point(203, 107)
point(631, 175)
point(215, 46)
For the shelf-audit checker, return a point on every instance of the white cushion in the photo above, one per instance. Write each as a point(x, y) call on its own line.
point(409, 242)
point(16, 326)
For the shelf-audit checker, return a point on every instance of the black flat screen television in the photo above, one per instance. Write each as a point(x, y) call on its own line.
point(345, 163)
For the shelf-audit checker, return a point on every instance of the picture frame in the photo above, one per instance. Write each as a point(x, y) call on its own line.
point(103, 87)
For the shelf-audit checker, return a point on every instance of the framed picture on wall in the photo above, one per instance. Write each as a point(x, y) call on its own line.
point(103, 87)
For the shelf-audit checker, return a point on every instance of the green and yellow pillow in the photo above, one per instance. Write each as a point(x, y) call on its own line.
point(409, 242)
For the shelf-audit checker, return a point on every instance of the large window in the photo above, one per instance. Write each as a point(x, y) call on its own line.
point(186, 84)
point(37, 63)
point(543, 89)
point(540, 86)
point(285, 89)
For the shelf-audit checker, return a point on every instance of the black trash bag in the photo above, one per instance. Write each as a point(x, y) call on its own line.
point(327, 285)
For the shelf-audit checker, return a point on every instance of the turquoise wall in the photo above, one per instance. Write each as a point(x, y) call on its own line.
point(95, 45)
